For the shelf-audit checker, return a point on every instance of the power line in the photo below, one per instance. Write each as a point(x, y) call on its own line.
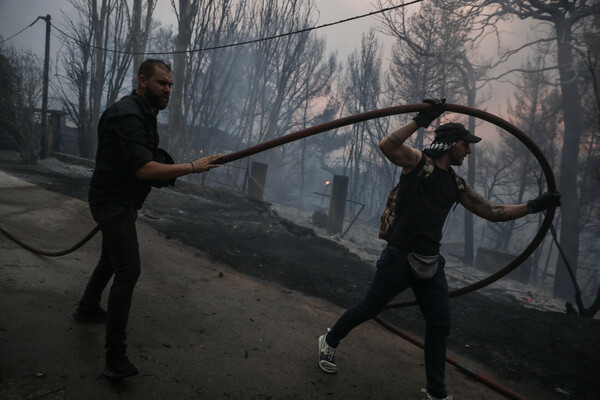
point(21, 31)
point(244, 42)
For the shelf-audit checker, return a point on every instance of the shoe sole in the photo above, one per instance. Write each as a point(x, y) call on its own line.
point(430, 397)
point(325, 368)
point(113, 376)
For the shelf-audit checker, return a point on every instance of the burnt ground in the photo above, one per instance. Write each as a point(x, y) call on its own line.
point(552, 352)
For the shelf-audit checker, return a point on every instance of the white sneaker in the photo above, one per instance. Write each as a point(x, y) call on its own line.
point(430, 397)
point(326, 356)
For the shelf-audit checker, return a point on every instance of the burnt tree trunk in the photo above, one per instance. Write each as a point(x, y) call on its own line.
point(177, 124)
point(136, 39)
point(140, 34)
point(99, 22)
point(570, 209)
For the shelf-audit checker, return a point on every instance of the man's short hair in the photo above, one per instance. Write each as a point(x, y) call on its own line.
point(147, 67)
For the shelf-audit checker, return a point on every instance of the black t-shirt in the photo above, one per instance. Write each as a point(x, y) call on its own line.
point(127, 140)
point(419, 222)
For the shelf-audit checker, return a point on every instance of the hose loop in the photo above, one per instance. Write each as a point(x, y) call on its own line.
point(380, 113)
point(411, 108)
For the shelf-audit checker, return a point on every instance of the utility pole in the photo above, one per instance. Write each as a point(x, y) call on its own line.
point(48, 142)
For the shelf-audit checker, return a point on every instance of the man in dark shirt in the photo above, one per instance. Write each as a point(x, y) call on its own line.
point(411, 258)
point(127, 166)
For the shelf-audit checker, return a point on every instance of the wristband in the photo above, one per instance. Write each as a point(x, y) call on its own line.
point(193, 168)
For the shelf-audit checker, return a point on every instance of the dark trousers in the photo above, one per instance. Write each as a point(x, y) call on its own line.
point(120, 257)
point(392, 277)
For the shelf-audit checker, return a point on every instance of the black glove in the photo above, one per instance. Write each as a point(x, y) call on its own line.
point(544, 202)
point(425, 118)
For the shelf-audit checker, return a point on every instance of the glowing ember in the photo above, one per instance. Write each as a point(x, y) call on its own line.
point(525, 299)
point(327, 183)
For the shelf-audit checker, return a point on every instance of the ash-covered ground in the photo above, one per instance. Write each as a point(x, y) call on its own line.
point(547, 350)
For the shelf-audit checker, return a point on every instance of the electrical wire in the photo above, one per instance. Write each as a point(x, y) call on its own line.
point(22, 30)
point(224, 46)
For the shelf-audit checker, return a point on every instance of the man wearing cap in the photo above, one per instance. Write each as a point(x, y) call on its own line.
point(412, 225)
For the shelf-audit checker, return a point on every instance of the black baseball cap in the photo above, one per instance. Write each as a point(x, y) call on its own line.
point(453, 132)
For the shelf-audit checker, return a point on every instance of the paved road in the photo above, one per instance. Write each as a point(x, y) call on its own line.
point(198, 330)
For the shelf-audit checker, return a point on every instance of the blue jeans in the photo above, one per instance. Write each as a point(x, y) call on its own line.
point(392, 277)
point(120, 257)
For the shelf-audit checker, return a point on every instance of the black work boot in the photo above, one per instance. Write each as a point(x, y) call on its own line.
point(86, 313)
point(118, 367)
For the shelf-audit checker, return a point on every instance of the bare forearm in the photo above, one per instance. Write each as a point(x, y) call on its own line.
point(498, 213)
point(394, 148)
point(158, 171)
point(399, 136)
point(483, 208)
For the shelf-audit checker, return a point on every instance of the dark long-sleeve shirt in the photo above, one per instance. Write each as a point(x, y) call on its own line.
point(127, 140)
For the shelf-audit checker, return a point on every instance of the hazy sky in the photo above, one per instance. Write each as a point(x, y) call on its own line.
point(16, 14)
point(344, 38)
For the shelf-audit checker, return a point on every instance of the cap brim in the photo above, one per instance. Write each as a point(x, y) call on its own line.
point(471, 138)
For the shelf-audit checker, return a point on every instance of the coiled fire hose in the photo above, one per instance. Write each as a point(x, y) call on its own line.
point(385, 112)
point(380, 113)
point(493, 119)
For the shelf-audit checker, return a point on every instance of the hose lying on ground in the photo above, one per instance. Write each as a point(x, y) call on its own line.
point(50, 253)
